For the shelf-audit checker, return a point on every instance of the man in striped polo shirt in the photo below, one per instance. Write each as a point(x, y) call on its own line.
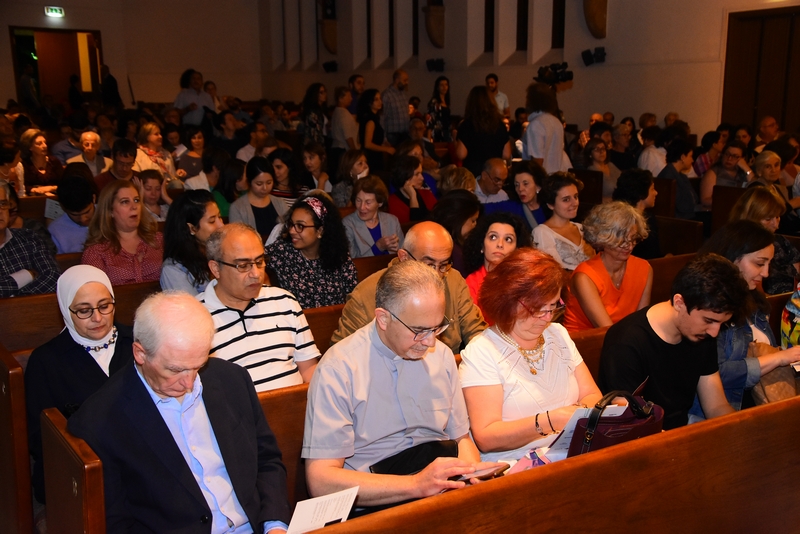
point(259, 327)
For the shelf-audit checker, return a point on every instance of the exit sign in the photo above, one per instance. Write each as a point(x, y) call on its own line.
point(54, 11)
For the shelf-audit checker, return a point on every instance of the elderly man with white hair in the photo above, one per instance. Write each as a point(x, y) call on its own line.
point(183, 439)
point(90, 145)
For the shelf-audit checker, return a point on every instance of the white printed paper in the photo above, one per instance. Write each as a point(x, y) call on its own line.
point(319, 512)
point(52, 209)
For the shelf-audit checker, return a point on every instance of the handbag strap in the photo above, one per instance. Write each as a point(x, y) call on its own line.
point(638, 410)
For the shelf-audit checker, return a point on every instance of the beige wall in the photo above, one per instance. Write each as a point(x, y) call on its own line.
point(663, 55)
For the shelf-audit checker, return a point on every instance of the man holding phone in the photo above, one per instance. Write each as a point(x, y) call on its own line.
point(385, 408)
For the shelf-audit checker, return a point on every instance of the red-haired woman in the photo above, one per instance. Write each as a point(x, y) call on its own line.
point(522, 378)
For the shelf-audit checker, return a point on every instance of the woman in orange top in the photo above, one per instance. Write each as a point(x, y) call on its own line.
point(612, 284)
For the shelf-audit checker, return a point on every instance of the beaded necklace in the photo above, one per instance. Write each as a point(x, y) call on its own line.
point(532, 356)
point(98, 348)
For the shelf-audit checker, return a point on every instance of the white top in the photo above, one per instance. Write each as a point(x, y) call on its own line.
point(247, 152)
point(500, 196)
point(343, 125)
point(502, 101)
point(567, 253)
point(488, 360)
point(197, 182)
point(266, 339)
point(653, 159)
point(544, 139)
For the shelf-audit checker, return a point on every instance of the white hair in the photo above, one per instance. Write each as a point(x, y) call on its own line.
point(165, 313)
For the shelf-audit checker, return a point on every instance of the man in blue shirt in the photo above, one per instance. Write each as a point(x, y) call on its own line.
point(77, 197)
point(184, 442)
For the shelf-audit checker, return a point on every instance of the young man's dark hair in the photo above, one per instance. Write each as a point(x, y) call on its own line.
point(214, 157)
point(651, 133)
point(123, 147)
point(76, 189)
point(633, 185)
point(599, 128)
point(677, 148)
point(711, 282)
point(491, 76)
point(352, 79)
point(219, 120)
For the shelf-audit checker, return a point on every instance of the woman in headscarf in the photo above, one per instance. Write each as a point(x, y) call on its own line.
point(71, 367)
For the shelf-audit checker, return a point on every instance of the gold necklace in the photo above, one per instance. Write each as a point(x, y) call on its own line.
point(532, 356)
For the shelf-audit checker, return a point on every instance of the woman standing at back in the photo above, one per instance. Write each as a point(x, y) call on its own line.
point(483, 134)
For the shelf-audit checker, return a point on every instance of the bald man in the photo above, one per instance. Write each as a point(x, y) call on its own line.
point(431, 244)
point(90, 144)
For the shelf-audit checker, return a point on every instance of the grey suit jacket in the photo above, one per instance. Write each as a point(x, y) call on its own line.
point(359, 237)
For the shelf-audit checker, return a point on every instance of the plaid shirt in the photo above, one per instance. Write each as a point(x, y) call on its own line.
point(395, 110)
point(26, 250)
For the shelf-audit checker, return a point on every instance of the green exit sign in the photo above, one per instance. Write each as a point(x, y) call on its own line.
point(54, 11)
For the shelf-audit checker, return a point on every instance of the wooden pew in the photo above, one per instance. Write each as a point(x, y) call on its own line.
point(323, 323)
point(344, 212)
point(73, 480)
point(722, 201)
point(31, 320)
point(372, 264)
point(686, 479)
point(589, 344)
point(776, 305)
point(664, 271)
point(65, 261)
point(679, 236)
point(665, 200)
point(16, 513)
point(592, 192)
point(32, 208)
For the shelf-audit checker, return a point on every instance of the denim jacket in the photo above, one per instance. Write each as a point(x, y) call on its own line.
point(738, 372)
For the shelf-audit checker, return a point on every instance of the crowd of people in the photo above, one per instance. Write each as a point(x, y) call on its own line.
point(490, 263)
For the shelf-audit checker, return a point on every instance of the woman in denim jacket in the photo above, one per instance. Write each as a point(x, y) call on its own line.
point(749, 246)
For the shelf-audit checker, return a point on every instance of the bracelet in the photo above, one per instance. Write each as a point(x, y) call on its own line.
point(550, 422)
point(538, 428)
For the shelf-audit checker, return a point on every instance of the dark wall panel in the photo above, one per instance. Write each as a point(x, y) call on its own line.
point(741, 70)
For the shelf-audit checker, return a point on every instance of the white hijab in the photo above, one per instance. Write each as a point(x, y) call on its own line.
point(68, 285)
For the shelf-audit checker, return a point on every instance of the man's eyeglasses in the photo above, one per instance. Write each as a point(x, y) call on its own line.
point(423, 333)
point(5, 205)
point(299, 227)
point(443, 267)
point(553, 312)
point(245, 266)
point(104, 308)
point(732, 156)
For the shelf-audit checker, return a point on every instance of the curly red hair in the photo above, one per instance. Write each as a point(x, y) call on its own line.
point(527, 276)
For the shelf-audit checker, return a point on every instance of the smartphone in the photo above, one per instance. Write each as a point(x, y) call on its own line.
point(485, 474)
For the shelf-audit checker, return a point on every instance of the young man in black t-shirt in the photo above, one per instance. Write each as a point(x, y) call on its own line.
point(672, 345)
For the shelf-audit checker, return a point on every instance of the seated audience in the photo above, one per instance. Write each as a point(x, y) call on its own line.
point(352, 167)
point(146, 420)
point(259, 327)
point(288, 187)
point(11, 166)
point(123, 156)
point(152, 155)
point(749, 246)
point(452, 178)
point(192, 161)
point(310, 257)
point(41, 171)
point(65, 371)
point(431, 244)
point(708, 153)
point(258, 208)
point(314, 160)
point(26, 266)
point(558, 235)
point(70, 144)
point(371, 231)
point(77, 197)
point(258, 143)
point(194, 216)
point(527, 177)
point(154, 194)
point(410, 147)
point(90, 146)
point(491, 180)
point(621, 153)
point(495, 237)
point(730, 170)
point(31, 223)
point(458, 211)
point(360, 409)
point(231, 186)
point(124, 241)
point(612, 284)
point(744, 134)
point(670, 346)
point(767, 167)
point(636, 187)
point(765, 207)
point(523, 377)
point(679, 162)
point(482, 135)
point(595, 158)
point(213, 160)
point(410, 200)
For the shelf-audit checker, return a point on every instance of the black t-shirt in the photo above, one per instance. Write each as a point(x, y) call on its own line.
point(266, 218)
point(632, 351)
point(481, 146)
point(650, 248)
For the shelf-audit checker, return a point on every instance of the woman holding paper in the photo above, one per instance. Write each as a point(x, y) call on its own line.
point(522, 378)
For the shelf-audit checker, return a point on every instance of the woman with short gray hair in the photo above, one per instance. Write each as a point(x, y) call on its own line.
point(612, 284)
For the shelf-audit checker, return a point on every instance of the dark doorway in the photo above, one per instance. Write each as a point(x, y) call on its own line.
point(762, 68)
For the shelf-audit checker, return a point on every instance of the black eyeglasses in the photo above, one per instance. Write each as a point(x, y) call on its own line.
point(443, 267)
point(104, 308)
point(245, 266)
point(299, 227)
point(423, 333)
point(5, 205)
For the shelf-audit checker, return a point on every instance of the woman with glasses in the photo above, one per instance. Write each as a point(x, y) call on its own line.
point(71, 367)
point(310, 257)
point(612, 284)
point(595, 157)
point(523, 377)
point(731, 170)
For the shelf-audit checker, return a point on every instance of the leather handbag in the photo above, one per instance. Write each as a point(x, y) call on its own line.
point(640, 418)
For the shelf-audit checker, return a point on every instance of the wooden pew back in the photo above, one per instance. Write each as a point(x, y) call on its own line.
point(372, 264)
point(776, 305)
point(592, 192)
point(32, 208)
point(679, 236)
point(285, 410)
point(664, 271)
point(65, 261)
point(688, 477)
point(722, 200)
point(323, 323)
point(16, 512)
point(73, 480)
point(589, 344)
point(665, 200)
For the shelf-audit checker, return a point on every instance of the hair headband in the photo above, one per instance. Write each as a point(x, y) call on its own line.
point(317, 207)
